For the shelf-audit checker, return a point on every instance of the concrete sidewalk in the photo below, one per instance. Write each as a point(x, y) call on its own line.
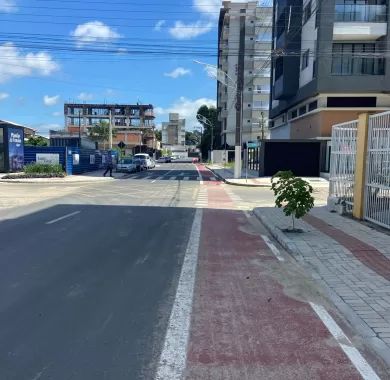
point(96, 176)
point(351, 261)
point(251, 179)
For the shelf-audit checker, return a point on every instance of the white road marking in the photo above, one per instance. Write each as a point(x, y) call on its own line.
point(160, 178)
point(174, 354)
point(63, 217)
point(353, 354)
point(274, 250)
point(200, 175)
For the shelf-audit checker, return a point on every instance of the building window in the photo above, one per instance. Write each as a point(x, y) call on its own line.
point(263, 88)
point(302, 110)
point(242, 10)
point(294, 114)
point(313, 106)
point(307, 12)
point(317, 23)
point(305, 59)
point(361, 10)
point(249, 105)
point(357, 59)
point(258, 104)
point(278, 68)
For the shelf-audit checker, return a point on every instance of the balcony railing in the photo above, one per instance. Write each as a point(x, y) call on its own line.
point(363, 13)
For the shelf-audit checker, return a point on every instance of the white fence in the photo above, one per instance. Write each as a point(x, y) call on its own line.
point(377, 191)
point(343, 162)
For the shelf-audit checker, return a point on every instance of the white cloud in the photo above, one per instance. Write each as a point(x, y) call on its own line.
point(3, 96)
point(159, 25)
point(186, 108)
point(209, 7)
point(179, 72)
point(50, 100)
point(182, 31)
point(8, 6)
point(57, 113)
point(92, 32)
point(13, 63)
point(84, 96)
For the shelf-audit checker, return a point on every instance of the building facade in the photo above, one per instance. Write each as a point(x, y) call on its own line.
point(244, 52)
point(329, 64)
point(132, 124)
point(174, 131)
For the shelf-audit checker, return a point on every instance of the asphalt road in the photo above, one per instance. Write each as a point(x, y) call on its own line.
point(89, 296)
point(92, 286)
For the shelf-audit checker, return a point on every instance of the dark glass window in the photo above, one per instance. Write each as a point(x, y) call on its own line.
point(357, 59)
point(278, 68)
point(307, 12)
point(302, 110)
point(361, 10)
point(305, 59)
point(313, 106)
point(294, 114)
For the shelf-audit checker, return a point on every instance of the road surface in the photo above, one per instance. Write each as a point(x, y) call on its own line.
point(165, 274)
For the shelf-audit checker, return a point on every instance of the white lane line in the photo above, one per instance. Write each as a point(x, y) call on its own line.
point(353, 354)
point(200, 175)
point(174, 354)
point(63, 217)
point(160, 178)
point(274, 250)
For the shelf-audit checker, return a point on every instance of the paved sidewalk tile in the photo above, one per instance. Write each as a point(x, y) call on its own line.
point(349, 257)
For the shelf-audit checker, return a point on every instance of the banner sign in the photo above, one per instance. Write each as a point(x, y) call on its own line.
point(15, 149)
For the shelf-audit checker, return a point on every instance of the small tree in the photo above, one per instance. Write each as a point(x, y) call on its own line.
point(293, 194)
point(101, 132)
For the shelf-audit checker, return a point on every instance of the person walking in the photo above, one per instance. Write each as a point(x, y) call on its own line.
point(109, 166)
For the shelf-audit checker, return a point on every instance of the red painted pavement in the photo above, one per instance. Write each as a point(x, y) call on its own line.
point(244, 326)
point(364, 252)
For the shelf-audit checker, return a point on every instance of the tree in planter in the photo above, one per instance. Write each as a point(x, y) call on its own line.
point(293, 194)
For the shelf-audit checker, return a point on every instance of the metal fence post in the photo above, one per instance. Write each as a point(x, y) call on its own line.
point(360, 171)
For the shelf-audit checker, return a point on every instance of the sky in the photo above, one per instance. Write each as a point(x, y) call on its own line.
point(123, 51)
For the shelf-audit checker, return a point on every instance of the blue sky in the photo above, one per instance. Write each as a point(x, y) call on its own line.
point(124, 51)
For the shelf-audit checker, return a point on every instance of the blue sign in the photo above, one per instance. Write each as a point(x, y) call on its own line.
point(16, 149)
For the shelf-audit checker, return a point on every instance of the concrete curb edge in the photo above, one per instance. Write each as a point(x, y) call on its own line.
point(234, 183)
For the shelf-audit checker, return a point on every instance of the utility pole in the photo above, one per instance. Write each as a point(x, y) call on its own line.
point(79, 128)
point(262, 125)
point(110, 132)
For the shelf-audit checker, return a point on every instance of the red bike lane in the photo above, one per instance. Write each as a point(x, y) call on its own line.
point(245, 325)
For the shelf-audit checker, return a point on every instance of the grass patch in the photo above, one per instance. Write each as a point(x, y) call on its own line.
point(54, 169)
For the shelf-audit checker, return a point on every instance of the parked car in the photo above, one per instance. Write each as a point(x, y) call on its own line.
point(150, 163)
point(127, 165)
point(141, 163)
point(164, 159)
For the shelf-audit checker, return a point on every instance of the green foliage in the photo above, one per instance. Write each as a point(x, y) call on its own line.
point(166, 152)
point(37, 141)
point(193, 138)
point(101, 132)
point(211, 114)
point(52, 169)
point(293, 194)
point(158, 134)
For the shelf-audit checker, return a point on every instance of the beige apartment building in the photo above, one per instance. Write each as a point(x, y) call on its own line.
point(244, 54)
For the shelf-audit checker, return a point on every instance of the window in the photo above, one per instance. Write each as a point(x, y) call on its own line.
point(305, 59)
point(259, 104)
point(294, 114)
point(307, 12)
point(265, 36)
point(317, 24)
point(357, 59)
point(361, 10)
point(249, 105)
point(313, 106)
point(302, 110)
point(242, 10)
point(278, 68)
point(263, 88)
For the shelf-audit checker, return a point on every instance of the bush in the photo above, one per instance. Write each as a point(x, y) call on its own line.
point(34, 175)
point(293, 194)
point(51, 169)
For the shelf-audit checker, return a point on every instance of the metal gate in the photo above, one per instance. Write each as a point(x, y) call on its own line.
point(254, 159)
point(343, 162)
point(377, 192)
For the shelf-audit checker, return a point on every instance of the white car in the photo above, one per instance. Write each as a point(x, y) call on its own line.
point(127, 165)
point(150, 163)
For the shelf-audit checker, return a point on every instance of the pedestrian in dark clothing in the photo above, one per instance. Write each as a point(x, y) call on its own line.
point(109, 168)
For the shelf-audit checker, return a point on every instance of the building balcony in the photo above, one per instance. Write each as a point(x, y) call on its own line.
point(360, 22)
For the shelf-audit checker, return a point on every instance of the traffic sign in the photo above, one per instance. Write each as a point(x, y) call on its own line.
point(121, 145)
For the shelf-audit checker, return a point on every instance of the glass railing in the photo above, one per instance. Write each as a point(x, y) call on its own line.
point(364, 13)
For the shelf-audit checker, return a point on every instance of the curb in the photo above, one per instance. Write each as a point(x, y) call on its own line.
point(47, 181)
point(376, 344)
point(234, 183)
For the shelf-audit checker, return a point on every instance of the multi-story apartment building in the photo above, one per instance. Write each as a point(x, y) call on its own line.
point(329, 64)
point(133, 124)
point(244, 51)
point(174, 131)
